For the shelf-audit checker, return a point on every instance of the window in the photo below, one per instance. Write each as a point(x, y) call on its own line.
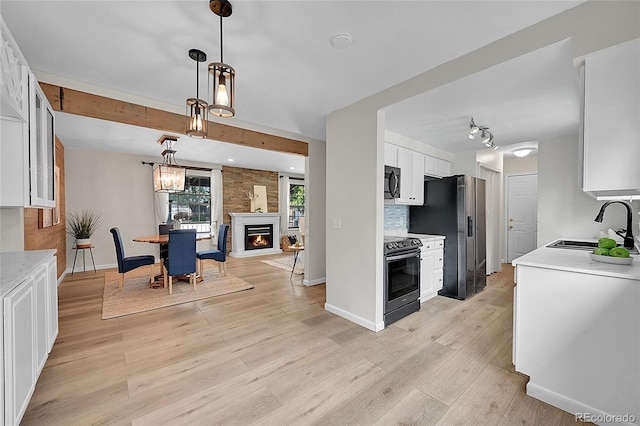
point(192, 207)
point(296, 202)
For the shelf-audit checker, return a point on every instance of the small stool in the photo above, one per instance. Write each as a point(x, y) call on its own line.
point(296, 250)
point(84, 266)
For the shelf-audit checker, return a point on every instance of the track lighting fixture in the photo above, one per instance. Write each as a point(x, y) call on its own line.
point(487, 136)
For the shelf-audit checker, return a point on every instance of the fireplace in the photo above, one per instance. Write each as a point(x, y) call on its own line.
point(258, 237)
point(255, 234)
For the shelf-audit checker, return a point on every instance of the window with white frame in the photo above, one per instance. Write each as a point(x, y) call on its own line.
point(192, 207)
point(296, 202)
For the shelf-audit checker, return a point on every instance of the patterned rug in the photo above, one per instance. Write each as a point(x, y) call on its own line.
point(286, 263)
point(136, 295)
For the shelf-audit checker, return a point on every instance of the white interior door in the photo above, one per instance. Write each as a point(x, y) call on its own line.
point(522, 214)
point(492, 216)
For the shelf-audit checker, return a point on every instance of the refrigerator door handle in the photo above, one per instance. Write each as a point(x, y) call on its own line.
point(469, 226)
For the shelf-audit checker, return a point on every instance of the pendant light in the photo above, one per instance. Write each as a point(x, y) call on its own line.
point(222, 75)
point(196, 107)
point(168, 176)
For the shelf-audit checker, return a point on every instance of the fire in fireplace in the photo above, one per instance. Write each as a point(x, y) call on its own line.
point(258, 237)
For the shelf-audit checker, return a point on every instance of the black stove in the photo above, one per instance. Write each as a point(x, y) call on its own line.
point(395, 245)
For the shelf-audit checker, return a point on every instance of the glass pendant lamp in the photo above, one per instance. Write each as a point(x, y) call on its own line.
point(196, 107)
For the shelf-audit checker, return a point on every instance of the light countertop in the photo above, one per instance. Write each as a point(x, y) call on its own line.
point(578, 261)
point(427, 236)
point(17, 265)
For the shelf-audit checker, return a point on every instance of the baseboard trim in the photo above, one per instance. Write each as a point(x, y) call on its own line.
point(370, 325)
point(314, 282)
point(578, 409)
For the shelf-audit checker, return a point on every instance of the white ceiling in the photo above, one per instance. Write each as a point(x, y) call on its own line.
point(289, 76)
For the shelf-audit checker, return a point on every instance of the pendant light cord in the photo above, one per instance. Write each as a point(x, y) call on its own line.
point(221, 52)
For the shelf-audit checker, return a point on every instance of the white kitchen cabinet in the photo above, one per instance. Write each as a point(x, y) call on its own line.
point(14, 88)
point(436, 166)
point(411, 164)
point(390, 155)
point(20, 354)
point(610, 131)
point(431, 265)
point(28, 286)
point(27, 147)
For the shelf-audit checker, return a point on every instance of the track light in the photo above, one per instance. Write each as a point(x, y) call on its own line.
point(487, 136)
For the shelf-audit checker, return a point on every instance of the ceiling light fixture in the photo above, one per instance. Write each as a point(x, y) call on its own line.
point(222, 75)
point(522, 152)
point(487, 136)
point(196, 107)
point(168, 176)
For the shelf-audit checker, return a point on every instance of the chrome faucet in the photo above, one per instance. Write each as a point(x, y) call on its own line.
point(628, 237)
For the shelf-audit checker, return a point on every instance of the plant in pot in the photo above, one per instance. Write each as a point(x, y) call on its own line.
point(82, 226)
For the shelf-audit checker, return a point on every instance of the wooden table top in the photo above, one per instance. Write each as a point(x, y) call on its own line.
point(164, 238)
point(298, 248)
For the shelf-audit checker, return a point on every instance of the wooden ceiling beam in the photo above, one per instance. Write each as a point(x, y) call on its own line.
point(88, 105)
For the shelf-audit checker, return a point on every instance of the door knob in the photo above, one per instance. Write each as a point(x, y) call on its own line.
point(510, 219)
point(510, 226)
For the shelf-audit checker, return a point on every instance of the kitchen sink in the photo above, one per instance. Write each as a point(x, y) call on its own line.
point(581, 245)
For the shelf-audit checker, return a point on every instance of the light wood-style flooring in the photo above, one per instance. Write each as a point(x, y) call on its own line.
point(273, 356)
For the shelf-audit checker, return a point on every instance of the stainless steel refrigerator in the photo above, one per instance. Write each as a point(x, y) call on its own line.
point(454, 206)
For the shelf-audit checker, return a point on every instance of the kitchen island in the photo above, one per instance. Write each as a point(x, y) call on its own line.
point(577, 333)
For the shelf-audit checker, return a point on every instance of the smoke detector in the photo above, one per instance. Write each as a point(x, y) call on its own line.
point(341, 41)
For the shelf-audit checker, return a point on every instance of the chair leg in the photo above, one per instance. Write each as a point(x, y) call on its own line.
point(220, 267)
point(201, 268)
point(164, 277)
point(121, 281)
point(170, 285)
point(151, 273)
point(193, 281)
point(224, 268)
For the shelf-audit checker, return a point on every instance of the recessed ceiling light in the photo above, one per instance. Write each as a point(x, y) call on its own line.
point(341, 41)
point(230, 160)
point(292, 168)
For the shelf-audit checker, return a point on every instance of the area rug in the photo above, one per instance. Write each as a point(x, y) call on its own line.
point(286, 263)
point(136, 295)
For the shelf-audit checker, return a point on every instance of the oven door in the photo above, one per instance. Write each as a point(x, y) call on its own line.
point(402, 279)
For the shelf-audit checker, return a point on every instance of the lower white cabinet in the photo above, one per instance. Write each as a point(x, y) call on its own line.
point(29, 308)
point(432, 258)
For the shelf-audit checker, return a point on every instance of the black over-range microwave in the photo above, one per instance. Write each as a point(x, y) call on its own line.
point(391, 182)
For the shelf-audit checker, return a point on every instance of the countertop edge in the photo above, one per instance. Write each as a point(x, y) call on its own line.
point(16, 265)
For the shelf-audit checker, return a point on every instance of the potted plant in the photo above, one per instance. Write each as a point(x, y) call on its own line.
point(82, 226)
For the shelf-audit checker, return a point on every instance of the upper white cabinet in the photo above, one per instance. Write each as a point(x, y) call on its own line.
point(411, 164)
point(27, 147)
point(436, 166)
point(390, 155)
point(14, 88)
point(610, 139)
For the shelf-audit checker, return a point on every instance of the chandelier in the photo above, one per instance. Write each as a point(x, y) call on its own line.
point(196, 107)
point(485, 134)
point(168, 176)
point(222, 75)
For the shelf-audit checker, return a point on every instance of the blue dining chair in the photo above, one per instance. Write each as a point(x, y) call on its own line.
point(181, 258)
point(219, 255)
point(126, 264)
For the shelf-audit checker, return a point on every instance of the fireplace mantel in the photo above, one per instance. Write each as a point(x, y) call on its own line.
point(238, 222)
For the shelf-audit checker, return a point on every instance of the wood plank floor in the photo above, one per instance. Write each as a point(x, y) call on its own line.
point(273, 356)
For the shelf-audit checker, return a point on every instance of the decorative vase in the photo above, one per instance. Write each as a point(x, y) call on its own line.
point(83, 243)
point(253, 206)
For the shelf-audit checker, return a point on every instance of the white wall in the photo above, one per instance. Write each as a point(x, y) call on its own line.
point(355, 143)
point(120, 188)
point(564, 211)
point(520, 165)
point(11, 229)
point(315, 215)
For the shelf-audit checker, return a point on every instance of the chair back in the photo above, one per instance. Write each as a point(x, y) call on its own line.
point(222, 238)
point(163, 229)
point(182, 251)
point(117, 240)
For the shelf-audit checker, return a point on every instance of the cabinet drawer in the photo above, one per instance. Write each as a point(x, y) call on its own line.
point(439, 244)
point(427, 245)
point(438, 260)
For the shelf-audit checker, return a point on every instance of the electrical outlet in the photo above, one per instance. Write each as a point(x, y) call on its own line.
point(337, 223)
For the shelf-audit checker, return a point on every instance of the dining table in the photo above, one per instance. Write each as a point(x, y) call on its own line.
point(158, 280)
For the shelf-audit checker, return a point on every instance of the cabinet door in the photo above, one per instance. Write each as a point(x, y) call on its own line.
point(14, 88)
point(417, 176)
point(611, 128)
point(430, 166)
point(40, 283)
point(426, 275)
point(444, 168)
point(19, 350)
point(406, 182)
point(42, 147)
point(14, 163)
point(52, 303)
point(390, 155)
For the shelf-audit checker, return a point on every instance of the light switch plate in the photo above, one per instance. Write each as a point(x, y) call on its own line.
point(337, 223)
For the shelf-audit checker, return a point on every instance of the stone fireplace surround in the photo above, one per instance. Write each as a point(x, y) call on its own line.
point(239, 220)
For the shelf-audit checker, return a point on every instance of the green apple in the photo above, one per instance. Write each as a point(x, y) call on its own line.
point(607, 243)
point(619, 252)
